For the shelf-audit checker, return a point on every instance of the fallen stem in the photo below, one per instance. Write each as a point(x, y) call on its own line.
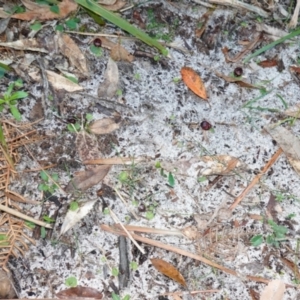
point(255, 179)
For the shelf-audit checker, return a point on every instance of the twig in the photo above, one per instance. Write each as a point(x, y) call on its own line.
point(238, 4)
point(24, 217)
point(203, 3)
point(181, 252)
point(154, 230)
point(256, 179)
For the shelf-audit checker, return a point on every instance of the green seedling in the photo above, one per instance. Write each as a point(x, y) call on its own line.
point(48, 220)
point(170, 176)
point(117, 297)
point(76, 127)
point(273, 239)
point(133, 265)
point(48, 185)
point(36, 26)
point(123, 24)
point(115, 271)
point(9, 98)
point(73, 206)
point(97, 51)
point(71, 281)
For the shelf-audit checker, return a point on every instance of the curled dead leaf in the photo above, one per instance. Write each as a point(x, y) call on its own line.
point(120, 53)
point(168, 270)
point(80, 292)
point(193, 81)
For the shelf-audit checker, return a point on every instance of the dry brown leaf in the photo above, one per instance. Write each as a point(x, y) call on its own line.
point(3, 14)
point(43, 12)
point(58, 82)
point(86, 146)
point(240, 82)
point(274, 290)
point(80, 292)
point(115, 7)
point(85, 179)
point(6, 288)
point(104, 126)
point(26, 44)
point(108, 88)
point(119, 53)
point(168, 270)
point(70, 50)
point(269, 63)
point(293, 111)
point(288, 142)
point(193, 82)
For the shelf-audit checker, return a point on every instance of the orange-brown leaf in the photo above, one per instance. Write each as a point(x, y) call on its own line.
point(193, 82)
point(168, 270)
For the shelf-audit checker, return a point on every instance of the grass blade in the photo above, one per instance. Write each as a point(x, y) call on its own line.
point(123, 24)
point(267, 47)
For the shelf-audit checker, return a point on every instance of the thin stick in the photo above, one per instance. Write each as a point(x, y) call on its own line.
point(239, 4)
point(181, 252)
point(154, 230)
point(24, 217)
point(255, 179)
point(117, 221)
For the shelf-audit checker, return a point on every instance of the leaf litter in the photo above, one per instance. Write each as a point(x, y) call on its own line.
point(159, 171)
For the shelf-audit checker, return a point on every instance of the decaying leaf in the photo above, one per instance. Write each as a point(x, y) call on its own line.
point(70, 50)
point(74, 216)
point(292, 266)
point(119, 53)
point(273, 208)
point(43, 12)
point(269, 63)
point(206, 166)
point(104, 126)
point(238, 81)
point(108, 88)
point(58, 82)
point(6, 288)
point(80, 292)
point(25, 44)
point(293, 111)
point(288, 142)
point(87, 148)
point(85, 179)
point(193, 82)
point(274, 290)
point(168, 270)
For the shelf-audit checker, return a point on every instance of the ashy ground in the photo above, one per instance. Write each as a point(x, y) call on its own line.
point(219, 176)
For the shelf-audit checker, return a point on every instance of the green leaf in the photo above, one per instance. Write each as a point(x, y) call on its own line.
point(54, 177)
point(73, 127)
point(106, 211)
point(127, 297)
point(115, 296)
point(71, 281)
point(100, 21)
point(30, 224)
point(123, 176)
point(171, 179)
point(97, 51)
point(48, 219)
point(15, 112)
point(43, 232)
point(123, 24)
point(89, 117)
point(54, 9)
point(72, 78)
point(202, 179)
point(72, 23)
point(74, 205)
point(44, 176)
point(43, 187)
point(157, 165)
point(149, 215)
point(36, 26)
point(59, 28)
point(257, 240)
point(18, 95)
point(115, 271)
point(134, 265)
